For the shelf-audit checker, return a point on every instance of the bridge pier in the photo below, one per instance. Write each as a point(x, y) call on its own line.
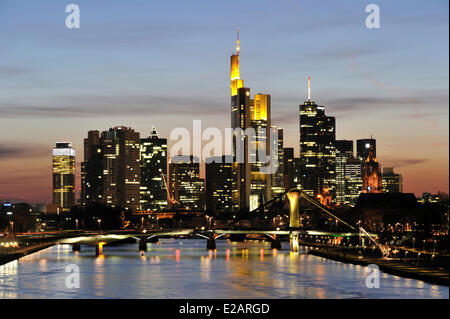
point(211, 243)
point(295, 247)
point(276, 243)
point(143, 244)
point(76, 247)
point(99, 249)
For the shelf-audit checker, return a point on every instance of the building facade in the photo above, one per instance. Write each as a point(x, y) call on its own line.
point(344, 151)
point(153, 192)
point(186, 186)
point(63, 167)
point(391, 182)
point(317, 149)
point(371, 176)
point(218, 179)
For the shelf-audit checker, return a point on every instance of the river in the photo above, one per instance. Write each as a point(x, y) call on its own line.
point(185, 269)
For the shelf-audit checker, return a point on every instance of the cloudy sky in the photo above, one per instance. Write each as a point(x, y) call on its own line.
point(139, 63)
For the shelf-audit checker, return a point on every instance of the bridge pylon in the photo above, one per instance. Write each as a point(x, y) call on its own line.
point(295, 247)
point(293, 196)
point(211, 242)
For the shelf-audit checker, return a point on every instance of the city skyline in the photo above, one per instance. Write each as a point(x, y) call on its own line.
point(380, 105)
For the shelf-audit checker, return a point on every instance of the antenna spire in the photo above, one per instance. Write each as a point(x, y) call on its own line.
point(237, 47)
point(309, 88)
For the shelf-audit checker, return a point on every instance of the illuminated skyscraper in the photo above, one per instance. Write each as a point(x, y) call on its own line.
point(317, 149)
point(344, 151)
point(260, 155)
point(219, 176)
point(353, 181)
point(186, 186)
point(278, 157)
point(240, 121)
point(153, 163)
point(64, 176)
point(121, 167)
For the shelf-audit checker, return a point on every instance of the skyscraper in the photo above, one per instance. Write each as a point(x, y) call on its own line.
point(111, 168)
point(186, 186)
point(240, 121)
point(92, 170)
point(344, 151)
point(121, 167)
point(371, 177)
point(277, 152)
point(353, 181)
point(219, 175)
point(288, 168)
point(64, 176)
point(153, 165)
point(259, 147)
point(317, 148)
point(391, 182)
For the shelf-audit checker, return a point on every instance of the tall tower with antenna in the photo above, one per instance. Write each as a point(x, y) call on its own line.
point(317, 149)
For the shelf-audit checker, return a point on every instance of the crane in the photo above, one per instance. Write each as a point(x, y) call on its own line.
point(170, 198)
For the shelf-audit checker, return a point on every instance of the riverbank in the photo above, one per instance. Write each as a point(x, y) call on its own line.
point(6, 257)
point(435, 275)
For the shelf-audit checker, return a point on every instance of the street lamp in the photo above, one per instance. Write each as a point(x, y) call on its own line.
point(99, 221)
point(76, 223)
point(12, 227)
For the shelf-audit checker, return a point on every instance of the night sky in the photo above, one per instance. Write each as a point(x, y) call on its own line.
point(139, 63)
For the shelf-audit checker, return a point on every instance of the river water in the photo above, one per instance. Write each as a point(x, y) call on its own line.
point(185, 269)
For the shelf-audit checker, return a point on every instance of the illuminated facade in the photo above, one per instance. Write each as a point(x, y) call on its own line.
point(353, 181)
point(186, 186)
point(111, 168)
point(260, 156)
point(391, 182)
point(63, 176)
point(277, 152)
point(153, 163)
point(219, 176)
point(317, 149)
point(371, 176)
point(344, 151)
point(240, 120)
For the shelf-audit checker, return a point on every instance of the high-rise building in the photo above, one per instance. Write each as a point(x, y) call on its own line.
point(92, 170)
point(153, 172)
point(391, 182)
point(278, 159)
point(344, 151)
point(353, 181)
point(240, 121)
point(288, 168)
point(363, 147)
point(260, 150)
point(317, 149)
point(371, 176)
point(63, 176)
point(111, 168)
point(186, 186)
point(219, 176)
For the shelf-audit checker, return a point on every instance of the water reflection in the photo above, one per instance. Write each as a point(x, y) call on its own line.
point(185, 269)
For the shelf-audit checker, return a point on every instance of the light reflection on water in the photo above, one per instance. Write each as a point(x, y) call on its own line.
point(185, 269)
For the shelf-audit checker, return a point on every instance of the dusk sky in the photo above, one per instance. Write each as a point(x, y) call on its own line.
point(166, 63)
